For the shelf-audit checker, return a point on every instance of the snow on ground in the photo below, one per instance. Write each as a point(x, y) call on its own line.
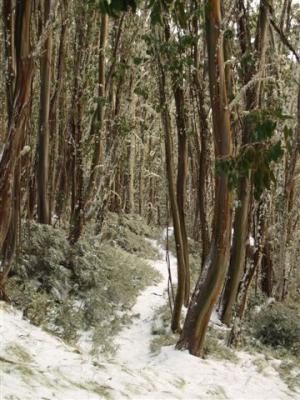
point(35, 365)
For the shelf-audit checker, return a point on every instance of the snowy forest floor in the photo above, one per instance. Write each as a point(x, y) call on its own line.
point(36, 365)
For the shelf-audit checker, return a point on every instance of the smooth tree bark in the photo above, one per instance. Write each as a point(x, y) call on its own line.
point(9, 52)
point(76, 129)
point(252, 96)
point(141, 172)
point(56, 114)
point(97, 124)
point(201, 148)
point(17, 126)
point(212, 277)
point(285, 236)
point(182, 170)
point(252, 266)
point(43, 135)
point(170, 172)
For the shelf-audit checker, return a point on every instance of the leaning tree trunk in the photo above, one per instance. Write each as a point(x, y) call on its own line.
point(212, 278)
point(238, 252)
point(251, 268)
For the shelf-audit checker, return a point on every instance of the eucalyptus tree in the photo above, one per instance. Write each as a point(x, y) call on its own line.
point(212, 277)
point(252, 70)
point(18, 108)
point(43, 135)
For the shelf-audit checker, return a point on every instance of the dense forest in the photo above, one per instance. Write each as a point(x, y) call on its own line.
point(121, 120)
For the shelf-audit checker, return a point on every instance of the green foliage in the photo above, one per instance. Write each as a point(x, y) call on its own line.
point(229, 34)
point(159, 8)
point(141, 91)
point(124, 125)
point(114, 7)
point(262, 124)
point(247, 62)
point(178, 59)
point(278, 326)
point(260, 154)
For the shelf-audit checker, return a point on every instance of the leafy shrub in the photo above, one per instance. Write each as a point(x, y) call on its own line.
point(278, 325)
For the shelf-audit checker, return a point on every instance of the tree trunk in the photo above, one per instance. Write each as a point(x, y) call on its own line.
point(212, 278)
point(56, 111)
point(250, 270)
point(241, 226)
point(282, 289)
point(43, 136)
point(98, 117)
point(18, 104)
point(77, 202)
point(182, 168)
point(17, 124)
point(267, 270)
point(170, 170)
point(9, 51)
point(238, 252)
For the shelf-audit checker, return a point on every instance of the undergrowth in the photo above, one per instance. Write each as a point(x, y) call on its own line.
point(90, 286)
point(273, 331)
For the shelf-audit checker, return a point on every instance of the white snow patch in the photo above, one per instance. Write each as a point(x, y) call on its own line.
point(57, 371)
point(168, 232)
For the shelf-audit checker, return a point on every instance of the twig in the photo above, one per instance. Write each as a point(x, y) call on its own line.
point(279, 30)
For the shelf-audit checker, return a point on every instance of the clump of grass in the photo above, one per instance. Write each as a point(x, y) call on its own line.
point(217, 349)
point(162, 340)
point(18, 352)
point(217, 392)
point(289, 372)
point(180, 383)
